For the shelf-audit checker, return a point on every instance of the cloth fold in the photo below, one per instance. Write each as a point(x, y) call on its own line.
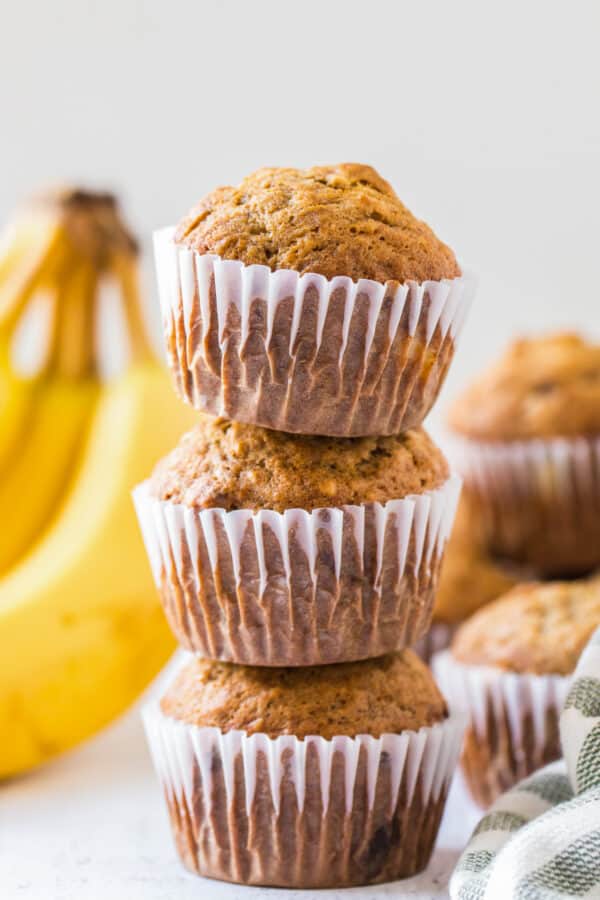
point(541, 840)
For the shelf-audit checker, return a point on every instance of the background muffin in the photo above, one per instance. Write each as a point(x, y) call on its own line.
point(272, 549)
point(310, 301)
point(317, 762)
point(510, 665)
point(469, 579)
point(529, 451)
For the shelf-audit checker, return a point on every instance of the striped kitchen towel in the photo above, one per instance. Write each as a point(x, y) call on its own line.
point(541, 840)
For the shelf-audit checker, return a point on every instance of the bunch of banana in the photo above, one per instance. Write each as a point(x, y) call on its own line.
point(81, 633)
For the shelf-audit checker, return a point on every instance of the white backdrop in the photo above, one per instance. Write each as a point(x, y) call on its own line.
point(485, 117)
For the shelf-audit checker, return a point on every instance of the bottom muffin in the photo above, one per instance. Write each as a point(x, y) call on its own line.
point(321, 777)
point(509, 668)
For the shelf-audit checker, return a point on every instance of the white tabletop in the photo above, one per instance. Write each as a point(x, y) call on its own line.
point(93, 826)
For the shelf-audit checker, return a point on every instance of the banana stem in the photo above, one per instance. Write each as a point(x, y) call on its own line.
point(66, 252)
point(72, 341)
point(125, 269)
point(25, 277)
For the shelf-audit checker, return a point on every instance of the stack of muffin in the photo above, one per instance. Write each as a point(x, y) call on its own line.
point(297, 539)
point(527, 441)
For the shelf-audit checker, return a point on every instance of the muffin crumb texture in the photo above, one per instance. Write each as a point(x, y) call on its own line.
point(391, 694)
point(333, 220)
point(540, 388)
point(539, 628)
point(233, 466)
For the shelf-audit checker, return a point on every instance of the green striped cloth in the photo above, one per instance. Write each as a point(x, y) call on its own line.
point(541, 840)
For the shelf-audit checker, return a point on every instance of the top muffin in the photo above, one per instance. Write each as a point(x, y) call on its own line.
point(541, 387)
point(386, 695)
point(331, 220)
point(540, 628)
point(233, 466)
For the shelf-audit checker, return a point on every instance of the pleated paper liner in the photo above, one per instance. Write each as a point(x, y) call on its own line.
point(301, 353)
point(298, 588)
point(538, 501)
point(303, 813)
point(512, 725)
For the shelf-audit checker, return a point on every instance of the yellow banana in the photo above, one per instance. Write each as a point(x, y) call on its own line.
point(28, 256)
point(45, 446)
point(31, 251)
point(80, 628)
point(31, 491)
point(81, 632)
point(16, 403)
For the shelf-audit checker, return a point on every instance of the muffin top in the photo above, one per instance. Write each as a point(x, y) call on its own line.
point(233, 466)
point(541, 387)
point(379, 696)
point(332, 220)
point(470, 576)
point(539, 628)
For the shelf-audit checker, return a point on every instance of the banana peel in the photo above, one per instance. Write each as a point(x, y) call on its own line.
point(81, 630)
point(16, 405)
point(31, 494)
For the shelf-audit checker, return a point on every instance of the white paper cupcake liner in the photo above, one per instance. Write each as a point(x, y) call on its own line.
point(303, 813)
point(302, 353)
point(513, 722)
point(538, 501)
point(298, 588)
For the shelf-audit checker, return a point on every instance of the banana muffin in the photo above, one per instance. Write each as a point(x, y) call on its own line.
point(317, 777)
point(331, 220)
point(378, 696)
point(310, 301)
point(276, 549)
point(469, 579)
point(528, 447)
point(232, 466)
point(510, 664)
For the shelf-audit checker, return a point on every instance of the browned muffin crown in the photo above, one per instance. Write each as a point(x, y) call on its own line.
point(541, 387)
point(233, 466)
point(332, 220)
point(386, 695)
point(539, 628)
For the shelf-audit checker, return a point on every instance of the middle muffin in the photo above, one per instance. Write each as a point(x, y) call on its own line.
point(285, 550)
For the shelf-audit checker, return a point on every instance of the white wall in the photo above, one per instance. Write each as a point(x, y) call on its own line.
point(484, 116)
